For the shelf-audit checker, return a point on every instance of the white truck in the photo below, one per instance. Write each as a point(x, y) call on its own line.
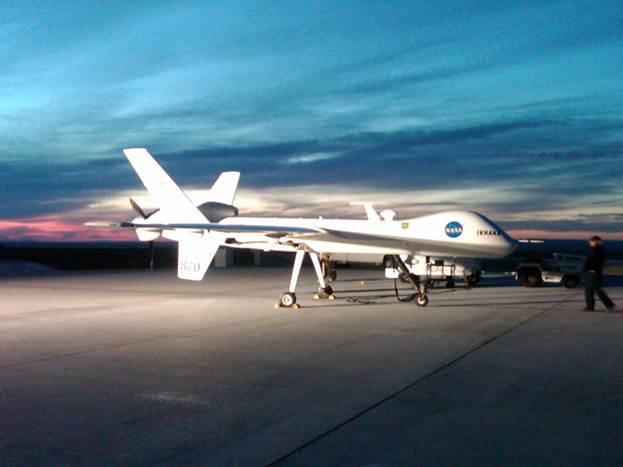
point(561, 268)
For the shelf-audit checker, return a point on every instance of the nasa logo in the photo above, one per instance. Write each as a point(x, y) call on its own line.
point(454, 229)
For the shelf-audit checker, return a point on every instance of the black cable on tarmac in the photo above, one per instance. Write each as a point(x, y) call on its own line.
point(408, 298)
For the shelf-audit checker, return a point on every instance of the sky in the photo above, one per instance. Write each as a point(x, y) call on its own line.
point(512, 109)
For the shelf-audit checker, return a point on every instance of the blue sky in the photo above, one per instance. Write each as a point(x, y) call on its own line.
point(509, 108)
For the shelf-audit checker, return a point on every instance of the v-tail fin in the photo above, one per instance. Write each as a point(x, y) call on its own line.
point(173, 202)
point(224, 189)
point(196, 254)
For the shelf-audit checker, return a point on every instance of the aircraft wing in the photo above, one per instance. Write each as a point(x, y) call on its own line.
point(230, 228)
point(303, 234)
point(293, 232)
point(363, 239)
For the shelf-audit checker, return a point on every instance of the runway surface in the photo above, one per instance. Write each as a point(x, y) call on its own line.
point(141, 368)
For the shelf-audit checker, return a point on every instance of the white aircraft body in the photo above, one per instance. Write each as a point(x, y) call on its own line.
point(201, 229)
point(431, 269)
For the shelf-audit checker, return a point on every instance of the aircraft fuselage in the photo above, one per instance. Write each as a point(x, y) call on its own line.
point(452, 233)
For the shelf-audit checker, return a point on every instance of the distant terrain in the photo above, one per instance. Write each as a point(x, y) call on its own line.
point(42, 257)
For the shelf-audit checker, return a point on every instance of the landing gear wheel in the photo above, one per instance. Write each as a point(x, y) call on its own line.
point(472, 280)
point(570, 282)
point(325, 292)
point(421, 300)
point(288, 299)
point(533, 280)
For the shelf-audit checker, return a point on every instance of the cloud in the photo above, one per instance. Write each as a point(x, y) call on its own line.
point(310, 158)
point(334, 201)
point(392, 84)
point(485, 155)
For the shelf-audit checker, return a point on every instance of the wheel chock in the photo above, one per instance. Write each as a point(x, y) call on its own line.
point(278, 306)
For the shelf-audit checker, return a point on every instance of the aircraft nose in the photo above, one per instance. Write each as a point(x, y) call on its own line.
point(502, 243)
point(510, 245)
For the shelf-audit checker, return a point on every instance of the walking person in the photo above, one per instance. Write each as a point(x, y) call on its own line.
point(593, 272)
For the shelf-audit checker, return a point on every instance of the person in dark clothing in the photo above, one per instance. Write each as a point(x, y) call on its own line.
point(593, 272)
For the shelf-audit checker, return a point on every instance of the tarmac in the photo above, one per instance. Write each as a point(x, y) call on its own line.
point(140, 368)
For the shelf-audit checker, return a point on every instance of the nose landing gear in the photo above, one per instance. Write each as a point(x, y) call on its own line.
point(421, 286)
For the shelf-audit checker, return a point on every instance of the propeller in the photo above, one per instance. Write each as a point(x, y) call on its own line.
point(137, 208)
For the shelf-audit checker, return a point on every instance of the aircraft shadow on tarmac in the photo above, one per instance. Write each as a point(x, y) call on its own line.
point(435, 290)
point(508, 281)
point(381, 299)
point(383, 295)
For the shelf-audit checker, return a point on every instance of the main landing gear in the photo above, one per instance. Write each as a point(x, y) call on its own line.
point(328, 269)
point(420, 286)
point(288, 299)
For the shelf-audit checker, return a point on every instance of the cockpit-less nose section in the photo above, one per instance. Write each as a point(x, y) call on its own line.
point(202, 229)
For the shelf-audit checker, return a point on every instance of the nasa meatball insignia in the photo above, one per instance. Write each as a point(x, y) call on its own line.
point(454, 229)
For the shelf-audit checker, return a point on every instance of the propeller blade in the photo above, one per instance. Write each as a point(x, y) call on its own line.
point(137, 208)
